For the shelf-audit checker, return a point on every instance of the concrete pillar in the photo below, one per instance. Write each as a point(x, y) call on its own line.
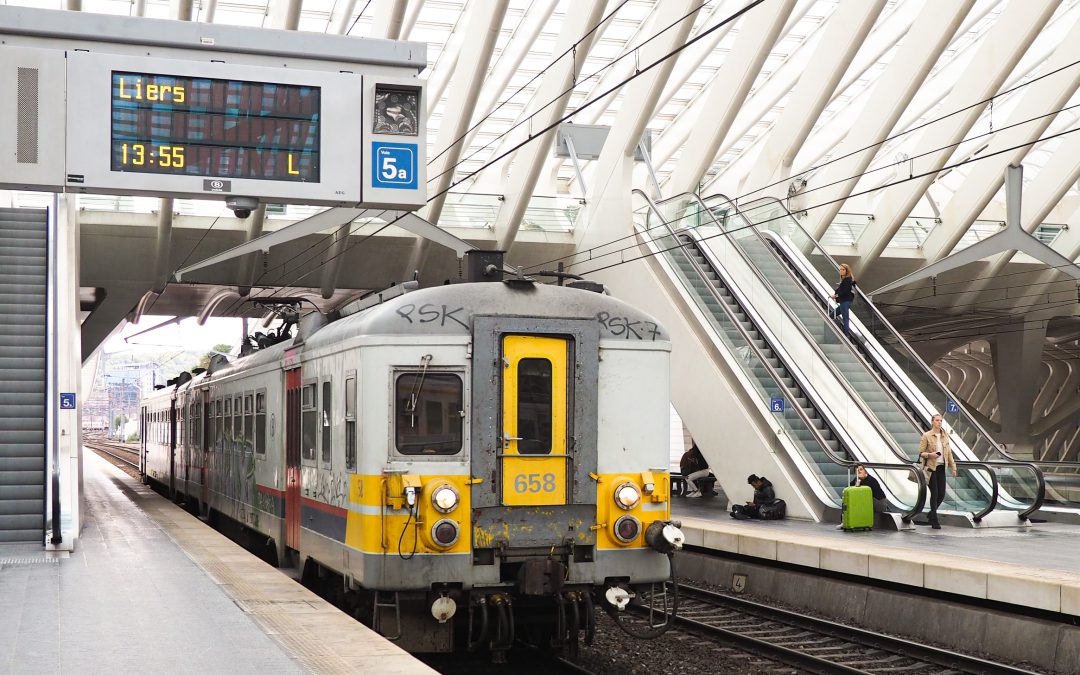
point(1017, 352)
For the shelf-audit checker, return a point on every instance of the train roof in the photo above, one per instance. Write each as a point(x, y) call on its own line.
point(449, 310)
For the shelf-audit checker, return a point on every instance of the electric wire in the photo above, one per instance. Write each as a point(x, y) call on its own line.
point(349, 32)
point(842, 180)
point(657, 62)
point(596, 99)
point(816, 206)
point(542, 71)
point(637, 73)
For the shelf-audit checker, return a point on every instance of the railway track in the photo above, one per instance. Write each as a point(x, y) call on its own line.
point(817, 645)
point(121, 452)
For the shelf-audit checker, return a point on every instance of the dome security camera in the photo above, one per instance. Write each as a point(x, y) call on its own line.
point(242, 206)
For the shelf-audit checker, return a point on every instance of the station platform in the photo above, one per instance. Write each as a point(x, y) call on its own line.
point(150, 588)
point(1034, 567)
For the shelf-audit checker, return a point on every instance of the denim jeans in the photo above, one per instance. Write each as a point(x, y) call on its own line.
point(845, 316)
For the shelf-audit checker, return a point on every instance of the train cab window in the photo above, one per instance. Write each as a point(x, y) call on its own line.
point(260, 423)
point(238, 424)
point(350, 424)
point(309, 423)
point(534, 406)
point(428, 413)
point(249, 422)
point(327, 448)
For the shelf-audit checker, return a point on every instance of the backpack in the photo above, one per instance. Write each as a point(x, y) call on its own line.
point(775, 511)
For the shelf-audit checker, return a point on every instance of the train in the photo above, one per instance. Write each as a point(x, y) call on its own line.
point(459, 466)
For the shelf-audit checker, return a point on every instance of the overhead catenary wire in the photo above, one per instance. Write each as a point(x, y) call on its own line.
point(592, 101)
point(839, 181)
point(816, 206)
point(640, 71)
point(646, 69)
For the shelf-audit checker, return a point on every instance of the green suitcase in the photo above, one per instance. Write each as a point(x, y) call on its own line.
point(858, 508)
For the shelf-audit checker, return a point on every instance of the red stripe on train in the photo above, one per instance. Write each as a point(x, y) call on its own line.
point(267, 490)
point(325, 508)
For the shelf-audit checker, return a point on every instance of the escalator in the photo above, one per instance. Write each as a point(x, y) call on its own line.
point(818, 443)
point(882, 368)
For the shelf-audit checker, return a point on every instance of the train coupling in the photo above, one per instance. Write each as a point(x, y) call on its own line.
point(665, 536)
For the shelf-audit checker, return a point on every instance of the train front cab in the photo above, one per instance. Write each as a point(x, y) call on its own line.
point(548, 524)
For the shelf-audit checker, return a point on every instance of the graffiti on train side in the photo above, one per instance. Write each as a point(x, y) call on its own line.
point(624, 327)
point(233, 474)
point(329, 487)
point(429, 313)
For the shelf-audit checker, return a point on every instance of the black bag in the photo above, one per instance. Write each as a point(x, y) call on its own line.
point(775, 511)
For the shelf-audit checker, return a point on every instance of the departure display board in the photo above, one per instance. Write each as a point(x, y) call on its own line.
point(198, 126)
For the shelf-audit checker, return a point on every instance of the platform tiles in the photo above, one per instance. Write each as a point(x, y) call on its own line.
point(1035, 567)
point(150, 588)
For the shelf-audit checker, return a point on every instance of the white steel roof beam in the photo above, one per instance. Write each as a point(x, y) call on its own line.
point(608, 214)
point(758, 31)
point(987, 176)
point(843, 35)
point(340, 15)
point(482, 26)
point(555, 87)
point(389, 17)
point(674, 136)
point(999, 52)
point(931, 32)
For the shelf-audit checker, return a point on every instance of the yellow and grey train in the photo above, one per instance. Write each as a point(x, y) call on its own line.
point(457, 465)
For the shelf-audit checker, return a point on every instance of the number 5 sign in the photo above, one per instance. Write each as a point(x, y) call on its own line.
point(394, 165)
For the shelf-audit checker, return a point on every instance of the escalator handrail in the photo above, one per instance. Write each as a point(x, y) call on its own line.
point(909, 350)
point(920, 500)
point(1010, 461)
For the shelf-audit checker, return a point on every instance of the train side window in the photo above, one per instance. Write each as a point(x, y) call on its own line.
point(260, 423)
point(211, 425)
point(428, 413)
point(534, 406)
point(249, 422)
point(327, 413)
point(238, 424)
point(350, 423)
point(222, 432)
point(309, 422)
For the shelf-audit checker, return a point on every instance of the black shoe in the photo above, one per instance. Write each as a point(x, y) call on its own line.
point(936, 525)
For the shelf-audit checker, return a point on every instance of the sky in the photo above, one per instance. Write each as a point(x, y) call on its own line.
point(187, 334)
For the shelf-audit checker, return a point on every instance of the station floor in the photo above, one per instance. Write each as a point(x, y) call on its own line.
point(1036, 566)
point(150, 588)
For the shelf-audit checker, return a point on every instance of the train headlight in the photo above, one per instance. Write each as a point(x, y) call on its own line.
point(627, 529)
point(445, 533)
point(627, 496)
point(445, 499)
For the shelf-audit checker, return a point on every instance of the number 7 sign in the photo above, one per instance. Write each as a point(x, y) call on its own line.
point(394, 165)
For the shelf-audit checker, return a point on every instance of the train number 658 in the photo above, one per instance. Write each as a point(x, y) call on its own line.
point(534, 482)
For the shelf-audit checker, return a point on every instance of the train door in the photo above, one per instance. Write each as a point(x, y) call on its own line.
point(535, 414)
point(205, 439)
point(292, 459)
point(144, 431)
point(173, 429)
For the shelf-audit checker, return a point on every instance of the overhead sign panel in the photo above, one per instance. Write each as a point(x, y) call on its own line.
point(105, 115)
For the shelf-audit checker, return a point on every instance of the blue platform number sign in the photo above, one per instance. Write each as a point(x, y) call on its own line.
point(67, 401)
point(394, 165)
point(951, 407)
point(776, 404)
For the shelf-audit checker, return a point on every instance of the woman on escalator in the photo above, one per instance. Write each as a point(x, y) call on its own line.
point(936, 453)
point(845, 295)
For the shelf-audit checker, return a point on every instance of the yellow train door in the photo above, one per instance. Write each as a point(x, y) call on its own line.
point(534, 420)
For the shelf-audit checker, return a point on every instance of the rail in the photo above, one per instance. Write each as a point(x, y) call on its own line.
point(920, 479)
point(909, 353)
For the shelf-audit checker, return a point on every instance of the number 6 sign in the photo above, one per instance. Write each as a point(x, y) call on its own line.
point(394, 165)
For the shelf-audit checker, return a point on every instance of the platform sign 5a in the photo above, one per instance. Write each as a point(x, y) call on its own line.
point(951, 407)
point(67, 401)
point(776, 404)
point(395, 165)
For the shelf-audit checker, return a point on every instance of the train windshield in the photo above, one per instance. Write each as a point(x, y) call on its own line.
point(429, 418)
